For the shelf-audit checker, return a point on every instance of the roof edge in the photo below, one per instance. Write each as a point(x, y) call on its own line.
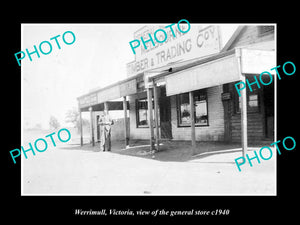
point(234, 36)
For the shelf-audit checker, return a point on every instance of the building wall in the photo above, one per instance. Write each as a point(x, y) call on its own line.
point(254, 128)
point(136, 133)
point(255, 125)
point(250, 35)
point(213, 132)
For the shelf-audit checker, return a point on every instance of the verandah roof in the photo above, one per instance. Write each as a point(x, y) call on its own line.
point(187, 76)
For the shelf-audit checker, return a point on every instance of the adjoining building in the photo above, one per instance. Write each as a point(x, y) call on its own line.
point(185, 88)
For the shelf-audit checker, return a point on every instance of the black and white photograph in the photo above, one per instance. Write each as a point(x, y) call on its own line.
point(148, 109)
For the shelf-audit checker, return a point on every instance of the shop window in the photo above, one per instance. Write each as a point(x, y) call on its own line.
point(142, 112)
point(184, 109)
point(183, 104)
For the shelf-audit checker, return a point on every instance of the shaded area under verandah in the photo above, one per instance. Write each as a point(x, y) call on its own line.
point(170, 150)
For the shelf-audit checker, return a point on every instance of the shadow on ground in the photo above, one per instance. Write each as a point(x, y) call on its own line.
point(177, 151)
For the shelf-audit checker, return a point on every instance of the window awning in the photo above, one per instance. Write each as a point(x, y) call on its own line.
point(220, 69)
point(185, 76)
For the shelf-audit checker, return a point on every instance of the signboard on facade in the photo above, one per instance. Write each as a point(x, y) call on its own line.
point(196, 43)
point(226, 96)
point(256, 61)
point(88, 100)
point(128, 88)
point(109, 93)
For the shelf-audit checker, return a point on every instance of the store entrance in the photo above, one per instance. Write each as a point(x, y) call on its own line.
point(98, 128)
point(165, 114)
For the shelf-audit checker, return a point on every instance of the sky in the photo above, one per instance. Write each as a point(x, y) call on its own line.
point(97, 58)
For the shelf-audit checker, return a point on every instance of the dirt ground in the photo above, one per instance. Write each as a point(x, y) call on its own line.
point(69, 169)
point(178, 151)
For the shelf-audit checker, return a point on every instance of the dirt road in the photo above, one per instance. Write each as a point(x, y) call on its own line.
point(63, 171)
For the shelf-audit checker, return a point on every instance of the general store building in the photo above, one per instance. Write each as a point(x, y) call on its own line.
point(185, 88)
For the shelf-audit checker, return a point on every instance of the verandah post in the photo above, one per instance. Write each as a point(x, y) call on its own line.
point(80, 126)
point(192, 118)
point(92, 126)
point(150, 117)
point(125, 122)
point(244, 119)
point(156, 117)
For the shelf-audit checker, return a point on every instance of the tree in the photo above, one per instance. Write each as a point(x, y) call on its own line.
point(72, 116)
point(53, 123)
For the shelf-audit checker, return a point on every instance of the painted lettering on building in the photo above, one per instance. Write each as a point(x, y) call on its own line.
point(160, 36)
point(177, 46)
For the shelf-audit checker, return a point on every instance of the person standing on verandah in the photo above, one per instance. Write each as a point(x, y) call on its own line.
point(105, 123)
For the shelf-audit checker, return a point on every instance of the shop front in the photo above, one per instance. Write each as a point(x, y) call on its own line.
point(195, 99)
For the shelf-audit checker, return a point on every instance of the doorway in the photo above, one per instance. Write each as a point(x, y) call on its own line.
point(165, 114)
point(268, 100)
point(98, 128)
